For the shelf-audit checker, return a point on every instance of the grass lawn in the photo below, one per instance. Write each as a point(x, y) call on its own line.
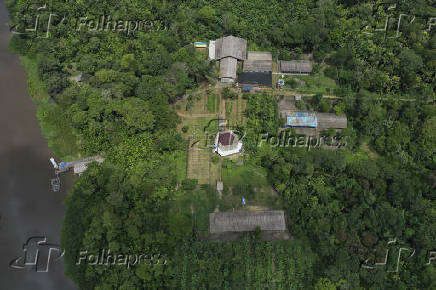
point(246, 180)
point(199, 163)
point(200, 102)
point(197, 204)
point(211, 103)
point(197, 125)
point(364, 152)
point(199, 166)
point(315, 84)
point(201, 132)
point(179, 159)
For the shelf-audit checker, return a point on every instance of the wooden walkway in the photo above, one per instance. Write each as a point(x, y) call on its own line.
point(78, 166)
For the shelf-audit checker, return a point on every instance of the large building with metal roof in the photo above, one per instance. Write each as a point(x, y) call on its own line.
point(231, 46)
point(317, 120)
point(228, 50)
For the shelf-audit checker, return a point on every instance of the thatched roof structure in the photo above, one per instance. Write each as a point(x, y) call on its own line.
point(231, 46)
point(243, 221)
point(258, 61)
point(295, 66)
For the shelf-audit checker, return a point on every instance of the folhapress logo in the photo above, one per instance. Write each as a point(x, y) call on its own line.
point(37, 255)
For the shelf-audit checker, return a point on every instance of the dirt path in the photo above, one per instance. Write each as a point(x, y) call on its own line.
point(196, 115)
point(290, 93)
point(223, 108)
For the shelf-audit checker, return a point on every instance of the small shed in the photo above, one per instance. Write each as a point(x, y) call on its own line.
point(200, 44)
point(77, 78)
point(219, 186)
point(299, 67)
point(227, 143)
point(212, 50)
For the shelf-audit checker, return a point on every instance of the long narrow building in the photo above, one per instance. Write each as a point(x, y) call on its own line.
point(244, 221)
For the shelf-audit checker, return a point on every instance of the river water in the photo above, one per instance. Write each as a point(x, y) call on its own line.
point(28, 207)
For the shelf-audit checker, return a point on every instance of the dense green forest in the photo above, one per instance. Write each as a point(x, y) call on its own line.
point(342, 207)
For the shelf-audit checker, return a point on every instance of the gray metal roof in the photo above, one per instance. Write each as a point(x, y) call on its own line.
point(257, 65)
point(231, 46)
point(243, 221)
point(259, 55)
point(330, 120)
point(298, 66)
point(258, 61)
point(228, 67)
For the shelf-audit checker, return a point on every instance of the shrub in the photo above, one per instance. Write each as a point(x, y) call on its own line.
point(215, 159)
point(324, 106)
point(189, 184)
point(299, 104)
point(331, 72)
point(228, 94)
point(293, 83)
